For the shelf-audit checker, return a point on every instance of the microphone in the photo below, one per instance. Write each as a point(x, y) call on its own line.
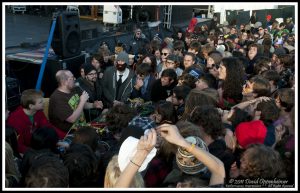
point(77, 84)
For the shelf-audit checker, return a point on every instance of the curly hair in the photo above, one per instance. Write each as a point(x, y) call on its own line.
point(233, 83)
point(118, 117)
point(209, 119)
point(260, 161)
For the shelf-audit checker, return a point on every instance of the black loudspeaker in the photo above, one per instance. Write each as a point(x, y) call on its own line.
point(66, 38)
point(13, 93)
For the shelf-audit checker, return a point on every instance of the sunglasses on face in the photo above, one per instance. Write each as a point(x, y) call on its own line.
point(247, 84)
point(165, 54)
point(213, 66)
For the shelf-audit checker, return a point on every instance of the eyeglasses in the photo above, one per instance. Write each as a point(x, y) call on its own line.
point(92, 74)
point(165, 54)
point(247, 84)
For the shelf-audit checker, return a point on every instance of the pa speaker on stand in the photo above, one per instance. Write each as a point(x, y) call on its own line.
point(66, 37)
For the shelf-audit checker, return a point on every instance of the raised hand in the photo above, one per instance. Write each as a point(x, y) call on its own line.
point(171, 134)
point(148, 141)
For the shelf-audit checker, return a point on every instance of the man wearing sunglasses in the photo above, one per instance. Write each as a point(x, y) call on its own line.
point(138, 42)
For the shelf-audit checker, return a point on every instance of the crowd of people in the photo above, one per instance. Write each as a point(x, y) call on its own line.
point(206, 105)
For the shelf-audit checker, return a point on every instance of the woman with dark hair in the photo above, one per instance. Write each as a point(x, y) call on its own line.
point(232, 74)
point(165, 112)
point(149, 59)
point(198, 97)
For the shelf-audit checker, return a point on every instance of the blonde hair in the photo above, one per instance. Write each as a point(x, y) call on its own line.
point(30, 97)
point(11, 169)
point(113, 172)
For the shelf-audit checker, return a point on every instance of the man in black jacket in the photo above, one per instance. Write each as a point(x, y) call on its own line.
point(162, 87)
point(138, 42)
point(92, 85)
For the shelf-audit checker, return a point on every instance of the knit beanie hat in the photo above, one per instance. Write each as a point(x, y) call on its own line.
point(123, 56)
point(186, 161)
point(250, 132)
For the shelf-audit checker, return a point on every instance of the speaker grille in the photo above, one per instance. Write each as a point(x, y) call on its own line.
point(66, 38)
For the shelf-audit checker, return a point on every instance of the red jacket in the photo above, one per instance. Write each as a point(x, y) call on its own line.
point(24, 127)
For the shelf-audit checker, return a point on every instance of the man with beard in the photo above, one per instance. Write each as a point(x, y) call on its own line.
point(92, 86)
point(117, 84)
point(66, 104)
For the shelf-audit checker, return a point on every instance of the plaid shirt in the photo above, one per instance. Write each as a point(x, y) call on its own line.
point(142, 122)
